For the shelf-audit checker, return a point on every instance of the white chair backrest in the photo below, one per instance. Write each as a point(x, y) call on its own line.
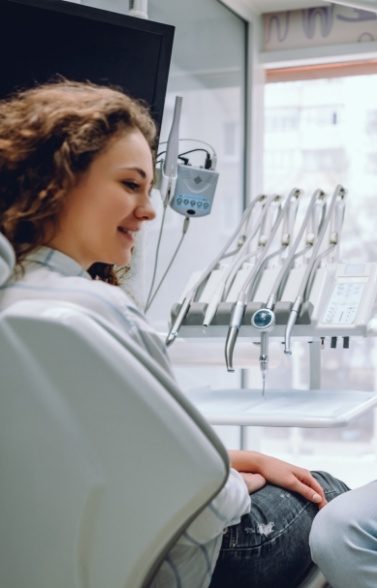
point(102, 465)
point(7, 259)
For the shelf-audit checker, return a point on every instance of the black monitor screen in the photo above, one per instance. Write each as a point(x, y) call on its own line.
point(42, 38)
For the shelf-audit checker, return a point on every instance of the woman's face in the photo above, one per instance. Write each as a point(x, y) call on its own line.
point(108, 206)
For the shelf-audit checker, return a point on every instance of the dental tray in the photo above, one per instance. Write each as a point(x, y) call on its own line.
point(281, 408)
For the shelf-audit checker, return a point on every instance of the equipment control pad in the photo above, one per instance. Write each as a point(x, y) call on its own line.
point(344, 303)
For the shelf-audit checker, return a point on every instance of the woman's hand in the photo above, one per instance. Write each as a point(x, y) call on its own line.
point(280, 473)
point(253, 481)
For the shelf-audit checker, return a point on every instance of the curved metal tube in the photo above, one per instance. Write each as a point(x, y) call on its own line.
point(338, 193)
point(231, 338)
point(291, 323)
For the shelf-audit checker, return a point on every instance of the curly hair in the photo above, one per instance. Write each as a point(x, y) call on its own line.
point(49, 135)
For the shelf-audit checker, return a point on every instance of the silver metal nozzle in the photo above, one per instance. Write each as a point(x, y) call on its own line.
point(178, 321)
point(230, 343)
point(231, 338)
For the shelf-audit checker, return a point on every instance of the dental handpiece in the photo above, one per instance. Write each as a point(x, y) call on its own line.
point(334, 239)
point(239, 310)
point(228, 274)
point(282, 276)
point(263, 320)
point(339, 192)
point(248, 288)
point(231, 338)
point(190, 296)
point(179, 319)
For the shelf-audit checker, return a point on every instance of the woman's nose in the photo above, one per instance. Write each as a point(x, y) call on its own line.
point(146, 210)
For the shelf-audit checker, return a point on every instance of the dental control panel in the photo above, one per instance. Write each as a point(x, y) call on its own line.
point(352, 297)
point(194, 191)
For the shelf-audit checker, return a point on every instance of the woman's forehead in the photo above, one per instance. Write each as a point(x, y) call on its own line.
point(129, 150)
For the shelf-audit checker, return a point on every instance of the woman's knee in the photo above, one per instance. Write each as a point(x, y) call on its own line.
point(332, 486)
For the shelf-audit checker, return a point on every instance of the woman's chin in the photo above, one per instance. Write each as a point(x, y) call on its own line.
point(122, 260)
point(118, 258)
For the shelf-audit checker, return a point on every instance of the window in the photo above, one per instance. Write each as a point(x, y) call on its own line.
point(333, 140)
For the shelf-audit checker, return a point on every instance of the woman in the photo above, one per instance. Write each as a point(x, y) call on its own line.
point(76, 171)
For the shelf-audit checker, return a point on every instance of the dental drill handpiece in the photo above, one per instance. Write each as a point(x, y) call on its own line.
point(241, 303)
point(282, 276)
point(247, 253)
point(190, 295)
point(239, 307)
point(264, 318)
point(290, 213)
point(239, 258)
point(339, 191)
point(179, 318)
point(333, 242)
point(337, 223)
point(290, 219)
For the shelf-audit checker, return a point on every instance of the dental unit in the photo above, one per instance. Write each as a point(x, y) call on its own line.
point(278, 278)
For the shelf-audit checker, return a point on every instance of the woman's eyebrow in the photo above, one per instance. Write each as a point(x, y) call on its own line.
point(138, 170)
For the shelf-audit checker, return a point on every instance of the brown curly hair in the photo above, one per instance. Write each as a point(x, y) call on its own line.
point(49, 135)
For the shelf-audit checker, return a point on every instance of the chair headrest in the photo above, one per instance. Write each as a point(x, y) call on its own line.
point(7, 259)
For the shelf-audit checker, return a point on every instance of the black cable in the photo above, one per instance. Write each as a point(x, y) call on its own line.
point(208, 159)
point(194, 150)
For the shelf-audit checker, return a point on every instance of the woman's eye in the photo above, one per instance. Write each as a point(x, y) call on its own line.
point(131, 185)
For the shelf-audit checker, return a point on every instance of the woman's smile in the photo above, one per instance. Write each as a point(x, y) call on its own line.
point(126, 235)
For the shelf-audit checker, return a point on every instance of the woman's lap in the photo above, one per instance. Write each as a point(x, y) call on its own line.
point(269, 548)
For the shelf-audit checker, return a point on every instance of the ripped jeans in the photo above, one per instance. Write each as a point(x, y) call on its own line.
point(269, 548)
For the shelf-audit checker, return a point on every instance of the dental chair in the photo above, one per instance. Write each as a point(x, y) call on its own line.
point(103, 463)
